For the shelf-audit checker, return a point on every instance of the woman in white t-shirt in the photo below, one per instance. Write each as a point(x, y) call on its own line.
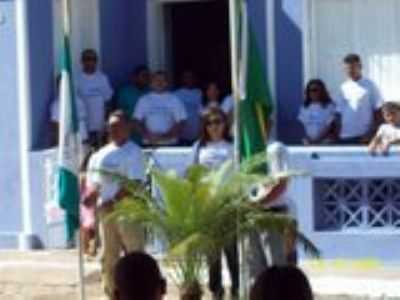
point(212, 150)
point(318, 114)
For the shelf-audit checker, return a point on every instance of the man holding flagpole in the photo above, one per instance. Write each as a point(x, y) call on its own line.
point(252, 111)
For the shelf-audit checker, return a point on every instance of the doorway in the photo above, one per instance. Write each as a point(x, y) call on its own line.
point(195, 36)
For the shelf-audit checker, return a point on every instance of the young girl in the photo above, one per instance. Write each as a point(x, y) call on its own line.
point(212, 150)
point(388, 133)
point(88, 213)
point(318, 114)
point(212, 97)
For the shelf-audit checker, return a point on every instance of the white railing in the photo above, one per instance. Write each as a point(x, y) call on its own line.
point(349, 197)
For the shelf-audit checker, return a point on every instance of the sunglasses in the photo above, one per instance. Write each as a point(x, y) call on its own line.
point(314, 90)
point(216, 122)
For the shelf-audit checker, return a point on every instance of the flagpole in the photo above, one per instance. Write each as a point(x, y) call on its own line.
point(81, 269)
point(234, 46)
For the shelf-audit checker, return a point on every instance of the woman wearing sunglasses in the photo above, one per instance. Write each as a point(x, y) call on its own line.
point(318, 114)
point(212, 150)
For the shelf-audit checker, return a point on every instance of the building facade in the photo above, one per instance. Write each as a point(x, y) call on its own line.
point(299, 40)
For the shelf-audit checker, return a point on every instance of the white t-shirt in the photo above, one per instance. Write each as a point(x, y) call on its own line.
point(278, 159)
point(214, 154)
point(388, 133)
point(316, 118)
point(357, 102)
point(191, 99)
point(159, 111)
point(95, 90)
point(126, 160)
point(82, 115)
point(227, 104)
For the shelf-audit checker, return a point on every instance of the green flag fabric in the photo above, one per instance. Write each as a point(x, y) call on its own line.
point(69, 147)
point(255, 106)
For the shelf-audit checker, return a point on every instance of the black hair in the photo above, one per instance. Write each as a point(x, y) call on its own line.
point(205, 88)
point(138, 276)
point(88, 52)
point(352, 58)
point(325, 97)
point(211, 113)
point(281, 283)
point(139, 69)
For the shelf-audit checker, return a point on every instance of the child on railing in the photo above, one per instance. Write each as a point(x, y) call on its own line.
point(389, 132)
point(317, 114)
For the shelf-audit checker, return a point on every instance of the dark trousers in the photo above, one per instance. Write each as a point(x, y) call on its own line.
point(215, 270)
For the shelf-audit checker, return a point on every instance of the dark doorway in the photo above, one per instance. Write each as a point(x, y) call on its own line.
point(200, 40)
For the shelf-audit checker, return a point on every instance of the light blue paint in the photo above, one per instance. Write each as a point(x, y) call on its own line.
point(10, 177)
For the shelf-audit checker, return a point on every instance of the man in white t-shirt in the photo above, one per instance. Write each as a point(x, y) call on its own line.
point(120, 157)
point(94, 88)
point(160, 116)
point(191, 97)
point(55, 116)
point(273, 199)
point(358, 104)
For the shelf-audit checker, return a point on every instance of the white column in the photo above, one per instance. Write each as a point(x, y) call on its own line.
point(24, 107)
point(271, 61)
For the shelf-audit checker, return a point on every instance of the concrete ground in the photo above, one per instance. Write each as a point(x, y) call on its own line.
point(52, 275)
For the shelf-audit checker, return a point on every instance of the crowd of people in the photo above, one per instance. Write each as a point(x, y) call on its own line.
point(161, 116)
point(158, 115)
point(147, 113)
point(358, 116)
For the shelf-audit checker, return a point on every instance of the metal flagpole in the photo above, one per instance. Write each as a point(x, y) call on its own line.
point(236, 95)
point(81, 269)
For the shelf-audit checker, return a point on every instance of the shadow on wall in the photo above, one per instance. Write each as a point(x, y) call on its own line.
point(289, 68)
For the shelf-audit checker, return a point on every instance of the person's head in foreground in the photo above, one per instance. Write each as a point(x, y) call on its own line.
point(138, 277)
point(215, 126)
point(391, 113)
point(281, 283)
point(118, 128)
point(159, 82)
point(353, 66)
point(89, 61)
point(141, 77)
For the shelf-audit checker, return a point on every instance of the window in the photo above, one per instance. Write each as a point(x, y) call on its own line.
point(367, 27)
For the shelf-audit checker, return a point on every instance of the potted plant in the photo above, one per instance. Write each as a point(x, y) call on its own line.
point(202, 212)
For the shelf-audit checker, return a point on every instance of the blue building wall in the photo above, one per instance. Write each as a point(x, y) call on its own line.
point(123, 37)
point(40, 20)
point(10, 177)
point(289, 67)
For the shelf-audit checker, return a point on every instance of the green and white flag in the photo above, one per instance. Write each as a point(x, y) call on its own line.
point(255, 106)
point(69, 147)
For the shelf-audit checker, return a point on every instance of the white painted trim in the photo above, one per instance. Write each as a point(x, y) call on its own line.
point(271, 61)
point(24, 114)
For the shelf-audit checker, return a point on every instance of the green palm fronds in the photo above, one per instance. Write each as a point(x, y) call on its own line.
point(205, 211)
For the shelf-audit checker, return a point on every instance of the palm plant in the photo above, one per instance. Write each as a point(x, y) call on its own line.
point(203, 212)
